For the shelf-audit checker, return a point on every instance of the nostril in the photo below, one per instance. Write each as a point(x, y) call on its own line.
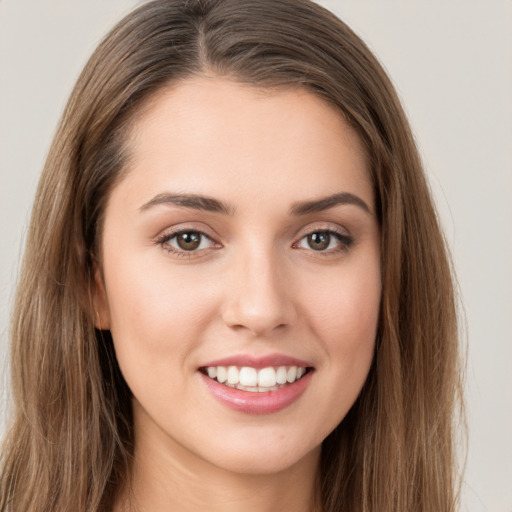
point(258, 295)
point(259, 318)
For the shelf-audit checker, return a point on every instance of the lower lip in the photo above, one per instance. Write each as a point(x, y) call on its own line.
point(265, 402)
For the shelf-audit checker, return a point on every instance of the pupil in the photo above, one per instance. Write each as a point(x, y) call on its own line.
point(319, 241)
point(189, 241)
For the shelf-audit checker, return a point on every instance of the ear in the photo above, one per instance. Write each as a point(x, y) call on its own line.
point(100, 303)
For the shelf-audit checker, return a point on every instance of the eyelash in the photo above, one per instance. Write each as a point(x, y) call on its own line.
point(165, 238)
point(345, 242)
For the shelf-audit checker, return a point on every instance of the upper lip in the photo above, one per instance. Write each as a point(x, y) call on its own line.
point(258, 361)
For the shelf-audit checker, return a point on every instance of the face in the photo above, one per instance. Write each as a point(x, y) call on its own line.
point(241, 275)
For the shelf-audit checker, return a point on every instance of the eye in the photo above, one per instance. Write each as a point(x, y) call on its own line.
point(186, 241)
point(324, 241)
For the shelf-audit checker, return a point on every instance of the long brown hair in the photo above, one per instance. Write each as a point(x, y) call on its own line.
point(70, 445)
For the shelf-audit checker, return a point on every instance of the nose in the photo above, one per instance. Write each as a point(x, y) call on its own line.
point(259, 296)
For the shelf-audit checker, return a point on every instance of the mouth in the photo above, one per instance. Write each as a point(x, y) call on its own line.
point(256, 380)
point(257, 384)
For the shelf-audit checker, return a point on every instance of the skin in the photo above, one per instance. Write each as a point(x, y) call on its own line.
point(254, 286)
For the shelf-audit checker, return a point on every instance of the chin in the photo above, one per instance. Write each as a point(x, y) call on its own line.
point(266, 462)
point(263, 452)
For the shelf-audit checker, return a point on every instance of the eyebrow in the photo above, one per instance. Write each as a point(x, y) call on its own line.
point(210, 204)
point(325, 203)
point(194, 201)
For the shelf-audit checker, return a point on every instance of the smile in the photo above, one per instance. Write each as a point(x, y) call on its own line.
point(257, 385)
point(255, 380)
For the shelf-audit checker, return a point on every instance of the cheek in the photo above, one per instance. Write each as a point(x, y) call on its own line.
point(344, 316)
point(157, 315)
point(340, 312)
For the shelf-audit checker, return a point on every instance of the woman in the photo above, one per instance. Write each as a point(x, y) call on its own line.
point(235, 292)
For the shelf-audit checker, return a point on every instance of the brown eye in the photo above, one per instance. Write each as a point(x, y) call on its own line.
point(319, 241)
point(325, 240)
point(182, 242)
point(189, 241)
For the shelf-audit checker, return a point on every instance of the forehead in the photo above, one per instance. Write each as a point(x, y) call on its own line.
point(215, 136)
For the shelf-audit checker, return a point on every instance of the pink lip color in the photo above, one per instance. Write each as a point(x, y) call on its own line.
point(257, 403)
point(258, 361)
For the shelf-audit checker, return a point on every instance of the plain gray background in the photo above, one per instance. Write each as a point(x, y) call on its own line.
point(451, 62)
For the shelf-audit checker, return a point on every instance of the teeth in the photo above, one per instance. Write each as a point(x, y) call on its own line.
point(248, 377)
point(281, 375)
point(291, 374)
point(222, 374)
point(251, 379)
point(267, 377)
point(233, 374)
